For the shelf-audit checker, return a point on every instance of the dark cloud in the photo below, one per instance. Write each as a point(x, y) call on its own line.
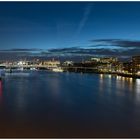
point(13, 55)
point(117, 42)
point(72, 52)
point(20, 50)
point(95, 51)
point(71, 49)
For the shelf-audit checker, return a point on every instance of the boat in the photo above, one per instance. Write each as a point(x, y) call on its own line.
point(57, 69)
point(17, 74)
point(20, 69)
point(33, 68)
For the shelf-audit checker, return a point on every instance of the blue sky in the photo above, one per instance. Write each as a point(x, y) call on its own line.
point(44, 26)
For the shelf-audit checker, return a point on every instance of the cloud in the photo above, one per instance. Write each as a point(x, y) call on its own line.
point(13, 55)
point(117, 42)
point(20, 50)
point(63, 50)
point(94, 51)
point(101, 52)
point(85, 18)
point(18, 53)
point(71, 52)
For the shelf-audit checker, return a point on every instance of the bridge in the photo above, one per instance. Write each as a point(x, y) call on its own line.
point(65, 68)
point(43, 66)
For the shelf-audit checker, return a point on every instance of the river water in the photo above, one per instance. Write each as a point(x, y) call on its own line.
point(69, 105)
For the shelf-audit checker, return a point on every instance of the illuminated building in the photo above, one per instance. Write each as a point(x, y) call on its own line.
point(95, 59)
point(51, 64)
point(128, 67)
point(21, 63)
point(104, 59)
point(136, 64)
point(108, 59)
point(68, 63)
point(109, 64)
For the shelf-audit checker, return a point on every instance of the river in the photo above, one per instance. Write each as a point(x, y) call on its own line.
point(69, 105)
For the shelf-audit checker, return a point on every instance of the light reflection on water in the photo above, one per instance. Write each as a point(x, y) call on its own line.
point(0, 91)
point(137, 90)
point(71, 104)
point(120, 82)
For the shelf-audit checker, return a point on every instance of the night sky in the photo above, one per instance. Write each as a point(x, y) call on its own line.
point(69, 29)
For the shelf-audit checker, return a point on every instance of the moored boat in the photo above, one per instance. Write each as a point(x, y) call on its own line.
point(57, 69)
point(33, 68)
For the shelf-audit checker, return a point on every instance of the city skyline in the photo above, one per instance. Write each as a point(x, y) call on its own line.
point(69, 29)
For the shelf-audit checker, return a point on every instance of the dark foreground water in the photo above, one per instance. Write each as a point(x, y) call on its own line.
point(69, 105)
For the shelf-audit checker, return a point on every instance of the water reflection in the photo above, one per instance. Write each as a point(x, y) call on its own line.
point(138, 82)
point(55, 99)
point(20, 96)
point(105, 83)
point(101, 83)
point(54, 84)
point(109, 83)
point(130, 84)
point(109, 76)
point(119, 83)
point(137, 88)
point(105, 80)
point(0, 91)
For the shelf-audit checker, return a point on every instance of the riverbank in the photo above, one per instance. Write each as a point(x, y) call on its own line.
point(91, 70)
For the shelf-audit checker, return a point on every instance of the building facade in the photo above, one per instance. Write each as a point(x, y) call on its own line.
point(136, 64)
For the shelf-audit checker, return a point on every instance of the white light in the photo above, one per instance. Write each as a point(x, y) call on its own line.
point(101, 75)
point(138, 72)
point(138, 82)
point(20, 63)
